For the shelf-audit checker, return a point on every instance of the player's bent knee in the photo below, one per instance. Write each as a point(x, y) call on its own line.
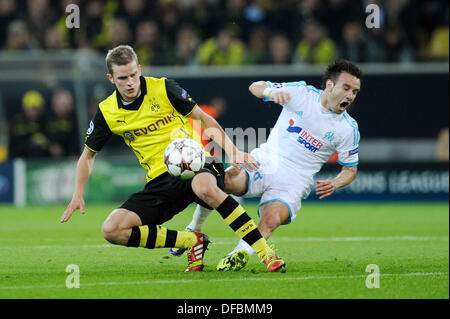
point(206, 191)
point(114, 232)
point(117, 227)
point(110, 232)
point(236, 183)
point(271, 222)
point(204, 186)
point(117, 236)
point(210, 193)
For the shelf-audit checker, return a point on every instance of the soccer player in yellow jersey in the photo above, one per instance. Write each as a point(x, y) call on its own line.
point(148, 113)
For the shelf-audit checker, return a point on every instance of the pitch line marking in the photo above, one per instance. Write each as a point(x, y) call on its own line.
point(228, 240)
point(118, 283)
point(347, 239)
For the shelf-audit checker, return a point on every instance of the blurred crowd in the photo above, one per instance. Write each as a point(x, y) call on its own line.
point(45, 125)
point(233, 32)
point(44, 128)
point(204, 32)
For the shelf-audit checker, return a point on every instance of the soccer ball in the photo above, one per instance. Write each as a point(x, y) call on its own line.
point(184, 157)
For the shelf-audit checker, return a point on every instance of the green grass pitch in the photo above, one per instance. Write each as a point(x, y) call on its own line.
point(327, 249)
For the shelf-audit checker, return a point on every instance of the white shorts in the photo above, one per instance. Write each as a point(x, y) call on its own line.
point(275, 184)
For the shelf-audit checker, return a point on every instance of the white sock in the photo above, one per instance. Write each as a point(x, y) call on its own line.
point(199, 217)
point(242, 245)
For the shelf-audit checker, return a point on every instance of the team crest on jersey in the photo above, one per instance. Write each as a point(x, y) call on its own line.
point(129, 136)
point(329, 136)
point(154, 106)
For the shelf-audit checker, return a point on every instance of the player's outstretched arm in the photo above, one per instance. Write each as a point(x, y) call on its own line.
point(84, 169)
point(261, 89)
point(213, 129)
point(325, 188)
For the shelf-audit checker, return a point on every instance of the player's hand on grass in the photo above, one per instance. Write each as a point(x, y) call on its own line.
point(76, 203)
point(324, 188)
point(279, 97)
point(246, 160)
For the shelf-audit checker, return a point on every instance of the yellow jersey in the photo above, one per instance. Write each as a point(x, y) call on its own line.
point(147, 125)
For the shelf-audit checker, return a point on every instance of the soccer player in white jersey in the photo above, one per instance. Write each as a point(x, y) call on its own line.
point(313, 125)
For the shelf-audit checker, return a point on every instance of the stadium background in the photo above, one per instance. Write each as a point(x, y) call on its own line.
point(395, 213)
point(215, 49)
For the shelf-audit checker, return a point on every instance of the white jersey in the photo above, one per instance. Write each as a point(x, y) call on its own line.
point(304, 137)
point(307, 134)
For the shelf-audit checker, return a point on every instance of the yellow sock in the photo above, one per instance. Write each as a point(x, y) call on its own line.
point(152, 236)
point(185, 239)
point(243, 226)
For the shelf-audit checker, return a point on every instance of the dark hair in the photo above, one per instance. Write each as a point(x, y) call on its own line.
point(335, 69)
point(120, 55)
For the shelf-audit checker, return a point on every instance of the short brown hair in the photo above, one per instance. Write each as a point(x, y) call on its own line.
point(335, 69)
point(120, 55)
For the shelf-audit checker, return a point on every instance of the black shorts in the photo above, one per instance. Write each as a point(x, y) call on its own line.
point(166, 195)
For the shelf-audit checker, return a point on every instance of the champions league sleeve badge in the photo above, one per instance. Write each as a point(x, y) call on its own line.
point(90, 129)
point(184, 94)
point(129, 136)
